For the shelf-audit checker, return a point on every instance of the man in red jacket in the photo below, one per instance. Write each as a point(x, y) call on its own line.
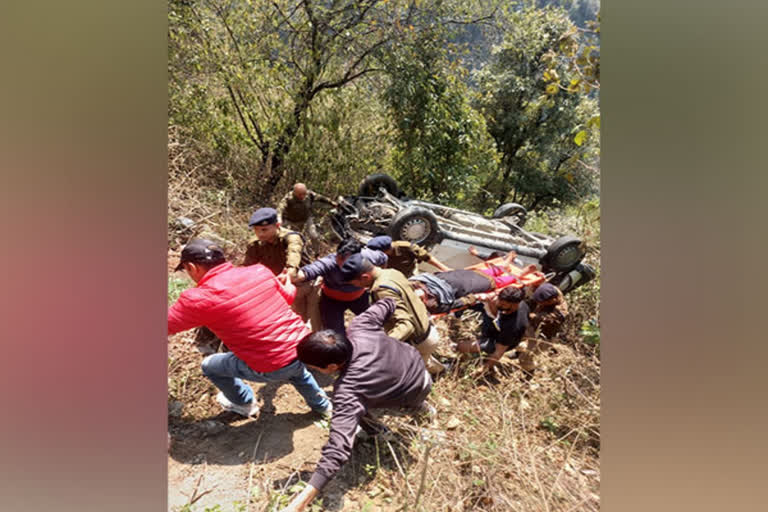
point(249, 310)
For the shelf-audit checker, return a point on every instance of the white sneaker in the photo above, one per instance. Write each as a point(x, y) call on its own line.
point(426, 410)
point(328, 412)
point(246, 410)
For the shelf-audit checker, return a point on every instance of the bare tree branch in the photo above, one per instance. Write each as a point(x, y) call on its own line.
point(242, 119)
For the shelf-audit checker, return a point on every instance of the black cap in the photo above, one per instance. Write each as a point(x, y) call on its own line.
point(545, 292)
point(352, 267)
point(380, 243)
point(263, 217)
point(201, 251)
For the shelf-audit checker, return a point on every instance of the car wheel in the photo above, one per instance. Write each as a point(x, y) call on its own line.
point(513, 211)
point(569, 281)
point(417, 225)
point(564, 254)
point(371, 184)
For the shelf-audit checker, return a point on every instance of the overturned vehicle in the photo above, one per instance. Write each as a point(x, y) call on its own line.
point(381, 208)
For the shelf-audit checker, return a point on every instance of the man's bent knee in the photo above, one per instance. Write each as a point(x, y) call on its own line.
point(211, 364)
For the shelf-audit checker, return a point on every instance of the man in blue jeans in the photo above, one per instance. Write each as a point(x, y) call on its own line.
point(249, 310)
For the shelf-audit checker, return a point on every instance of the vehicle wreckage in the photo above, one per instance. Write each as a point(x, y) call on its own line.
point(382, 208)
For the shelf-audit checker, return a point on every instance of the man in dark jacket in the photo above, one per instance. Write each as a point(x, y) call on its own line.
point(374, 371)
point(337, 295)
point(505, 322)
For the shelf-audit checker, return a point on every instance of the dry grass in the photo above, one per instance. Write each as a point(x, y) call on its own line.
point(503, 444)
point(507, 444)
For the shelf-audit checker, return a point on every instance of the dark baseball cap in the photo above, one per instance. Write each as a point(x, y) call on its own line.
point(545, 292)
point(201, 251)
point(352, 267)
point(263, 217)
point(380, 243)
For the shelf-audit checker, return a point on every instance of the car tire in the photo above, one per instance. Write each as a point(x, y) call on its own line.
point(516, 211)
point(417, 225)
point(371, 184)
point(569, 281)
point(564, 254)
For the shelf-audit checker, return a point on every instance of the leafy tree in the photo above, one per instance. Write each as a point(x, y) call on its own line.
point(543, 122)
point(581, 12)
point(347, 135)
point(443, 147)
point(263, 64)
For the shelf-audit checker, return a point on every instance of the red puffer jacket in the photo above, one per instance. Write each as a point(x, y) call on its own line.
point(248, 309)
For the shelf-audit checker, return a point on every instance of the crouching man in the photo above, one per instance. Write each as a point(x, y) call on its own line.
point(374, 371)
point(249, 310)
point(546, 321)
point(505, 321)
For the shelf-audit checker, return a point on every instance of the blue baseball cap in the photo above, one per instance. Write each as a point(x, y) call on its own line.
point(263, 217)
point(380, 243)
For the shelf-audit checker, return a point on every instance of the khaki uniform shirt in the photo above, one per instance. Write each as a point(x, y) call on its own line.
point(298, 211)
point(405, 255)
point(410, 321)
point(285, 252)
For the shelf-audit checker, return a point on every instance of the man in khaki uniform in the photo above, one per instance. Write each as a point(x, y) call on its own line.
point(546, 319)
point(280, 250)
point(404, 255)
point(296, 212)
point(277, 248)
point(410, 322)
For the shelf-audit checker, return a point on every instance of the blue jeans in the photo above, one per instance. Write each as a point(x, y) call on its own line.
point(227, 372)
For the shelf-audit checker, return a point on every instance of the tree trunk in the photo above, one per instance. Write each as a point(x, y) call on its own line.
point(273, 161)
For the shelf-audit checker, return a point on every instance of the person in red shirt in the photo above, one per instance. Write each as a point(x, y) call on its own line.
point(249, 310)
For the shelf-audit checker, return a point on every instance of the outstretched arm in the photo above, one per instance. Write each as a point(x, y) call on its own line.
point(323, 199)
point(374, 317)
point(348, 409)
point(493, 359)
point(183, 315)
point(318, 268)
point(439, 264)
point(303, 499)
point(282, 204)
point(403, 326)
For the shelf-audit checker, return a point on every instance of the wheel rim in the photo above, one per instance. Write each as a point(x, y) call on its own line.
point(568, 256)
point(515, 217)
point(415, 230)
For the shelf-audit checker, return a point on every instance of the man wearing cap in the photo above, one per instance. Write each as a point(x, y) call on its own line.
point(410, 322)
point(296, 211)
point(248, 309)
point(374, 371)
point(280, 250)
point(403, 255)
point(277, 248)
point(546, 319)
point(338, 296)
